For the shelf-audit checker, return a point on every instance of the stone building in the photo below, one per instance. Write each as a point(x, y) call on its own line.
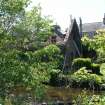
point(91, 28)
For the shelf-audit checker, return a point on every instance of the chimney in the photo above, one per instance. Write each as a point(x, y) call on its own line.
point(104, 19)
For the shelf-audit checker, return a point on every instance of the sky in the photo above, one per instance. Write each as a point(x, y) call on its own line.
point(60, 10)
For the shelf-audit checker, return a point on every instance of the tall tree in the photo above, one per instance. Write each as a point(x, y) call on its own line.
point(10, 13)
point(34, 27)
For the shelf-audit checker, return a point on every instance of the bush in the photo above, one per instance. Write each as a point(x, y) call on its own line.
point(54, 80)
point(97, 45)
point(50, 55)
point(86, 62)
point(21, 56)
point(89, 99)
point(88, 52)
point(95, 68)
point(46, 54)
point(14, 73)
point(81, 62)
point(58, 79)
point(82, 78)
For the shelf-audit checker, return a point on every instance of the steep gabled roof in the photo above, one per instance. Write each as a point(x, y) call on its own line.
point(73, 46)
point(92, 27)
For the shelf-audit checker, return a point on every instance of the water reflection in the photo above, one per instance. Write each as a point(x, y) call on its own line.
point(66, 94)
point(52, 94)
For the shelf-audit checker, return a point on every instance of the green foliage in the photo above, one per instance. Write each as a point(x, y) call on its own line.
point(23, 56)
point(88, 52)
point(30, 28)
point(34, 26)
point(84, 99)
point(25, 61)
point(54, 79)
point(12, 6)
point(29, 69)
point(95, 68)
point(11, 11)
point(18, 68)
point(102, 68)
point(97, 44)
point(46, 60)
point(86, 62)
point(49, 53)
point(81, 62)
point(84, 79)
point(13, 73)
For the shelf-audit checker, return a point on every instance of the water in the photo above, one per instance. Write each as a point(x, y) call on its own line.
point(66, 94)
point(53, 95)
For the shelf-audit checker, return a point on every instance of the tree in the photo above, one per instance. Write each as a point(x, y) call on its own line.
point(34, 28)
point(11, 12)
point(34, 24)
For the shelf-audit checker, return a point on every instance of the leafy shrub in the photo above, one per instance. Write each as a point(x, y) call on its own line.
point(88, 52)
point(46, 54)
point(44, 70)
point(84, 79)
point(21, 56)
point(86, 62)
point(95, 68)
point(50, 55)
point(81, 62)
point(102, 68)
point(89, 99)
point(13, 73)
point(96, 44)
point(54, 79)
point(57, 78)
point(101, 56)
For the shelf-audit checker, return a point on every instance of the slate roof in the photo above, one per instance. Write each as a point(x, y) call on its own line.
point(59, 33)
point(92, 27)
point(57, 30)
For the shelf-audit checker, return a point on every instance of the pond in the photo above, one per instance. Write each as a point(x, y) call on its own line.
point(53, 95)
point(66, 94)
